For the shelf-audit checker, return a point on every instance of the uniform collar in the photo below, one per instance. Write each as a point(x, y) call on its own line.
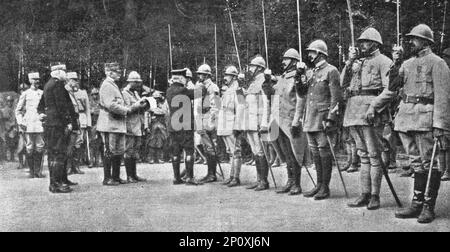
point(321, 65)
point(424, 52)
point(290, 74)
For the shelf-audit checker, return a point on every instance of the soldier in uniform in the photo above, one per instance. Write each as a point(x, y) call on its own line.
point(444, 154)
point(76, 139)
point(205, 112)
point(112, 123)
point(134, 127)
point(57, 110)
point(366, 80)
point(255, 121)
point(157, 130)
point(181, 125)
point(85, 123)
point(323, 91)
point(95, 137)
point(226, 127)
point(31, 125)
point(287, 113)
point(423, 117)
point(21, 145)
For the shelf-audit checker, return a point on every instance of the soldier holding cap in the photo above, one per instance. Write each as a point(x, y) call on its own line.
point(134, 126)
point(112, 123)
point(80, 102)
point(57, 110)
point(31, 125)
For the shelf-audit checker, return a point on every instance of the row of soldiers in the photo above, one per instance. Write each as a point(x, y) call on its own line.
point(301, 108)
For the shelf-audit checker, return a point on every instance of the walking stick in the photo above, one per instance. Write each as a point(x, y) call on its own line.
point(433, 155)
point(88, 147)
point(170, 49)
point(391, 187)
point(337, 164)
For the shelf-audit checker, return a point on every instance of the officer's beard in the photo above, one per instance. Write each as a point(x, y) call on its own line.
point(415, 50)
point(369, 51)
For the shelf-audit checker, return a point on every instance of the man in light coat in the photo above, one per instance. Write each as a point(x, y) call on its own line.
point(30, 124)
point(112, 123)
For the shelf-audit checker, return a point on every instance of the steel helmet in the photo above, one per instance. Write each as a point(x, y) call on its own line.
point(292, 54)
point(231, 70)
point(318, 46)
point(134, 77)
point(371, 34)
point(204, 69)
point(258, 61)
point(422, 31)
point(446, 52)
point(9, 98)
point(189, 73)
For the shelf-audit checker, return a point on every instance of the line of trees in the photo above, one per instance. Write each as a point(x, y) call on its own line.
point(87, 33)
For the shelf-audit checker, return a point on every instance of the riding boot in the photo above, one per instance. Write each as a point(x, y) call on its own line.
point(212, 164)
point(327, 166)
point(108, 181)
point(258, 179)
point(64, 175)
point(20, 162)
point(30, 161)
point(135, 176)
point(420, 183)
point(116, 162)
point(264, 173)
point(58, 172)
point(296, 189)
point(237, 163)
point(427, 215)
point(289, 183)
point(76, 162)
point(189, 162)
point(38, 165)
point(129, 170)
point(319, 171)
point(176, 171)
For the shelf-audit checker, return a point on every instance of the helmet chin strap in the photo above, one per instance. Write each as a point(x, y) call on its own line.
point(291, 67)
point(369, 52)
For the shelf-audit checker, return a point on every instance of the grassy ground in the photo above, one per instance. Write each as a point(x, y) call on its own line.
point(26, 205)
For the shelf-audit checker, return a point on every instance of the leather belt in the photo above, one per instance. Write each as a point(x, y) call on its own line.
point(417, 100)
point(366, 92)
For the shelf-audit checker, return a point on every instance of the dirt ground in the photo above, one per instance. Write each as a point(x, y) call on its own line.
point(26, 205)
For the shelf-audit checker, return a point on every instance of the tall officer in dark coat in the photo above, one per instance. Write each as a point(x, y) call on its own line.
point(181, 124)
point(322, 105)
point(423, 117)
point(60, 118)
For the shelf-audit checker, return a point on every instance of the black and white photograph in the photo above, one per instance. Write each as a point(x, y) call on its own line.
point(243, 117)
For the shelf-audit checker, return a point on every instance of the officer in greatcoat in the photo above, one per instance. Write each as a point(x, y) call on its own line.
point(134, 127)
point(60, 119)
point(286, 115)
